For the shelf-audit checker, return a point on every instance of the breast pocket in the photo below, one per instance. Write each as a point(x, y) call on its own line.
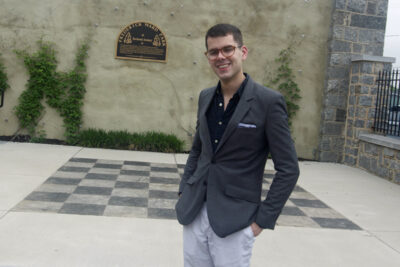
point(248, 137)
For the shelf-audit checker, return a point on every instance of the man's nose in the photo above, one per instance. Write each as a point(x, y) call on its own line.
point(220, 55)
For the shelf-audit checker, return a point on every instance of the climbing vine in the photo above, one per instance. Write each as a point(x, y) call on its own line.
point(285, 83)
point(73, 83)
point(3, 77)
point(63, 91)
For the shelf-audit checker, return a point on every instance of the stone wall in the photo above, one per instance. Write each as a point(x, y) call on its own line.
point(358, 28)
point(377, 154)
point(380, 155)
point(361, 101)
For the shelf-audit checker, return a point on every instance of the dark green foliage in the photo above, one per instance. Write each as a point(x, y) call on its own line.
point(284, 82)
point(74, 83)
point(63, 91)
point(3, 77)
point(42, 71)
point(148, 141)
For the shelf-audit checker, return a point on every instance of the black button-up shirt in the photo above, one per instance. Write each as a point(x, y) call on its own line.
point(217, 118)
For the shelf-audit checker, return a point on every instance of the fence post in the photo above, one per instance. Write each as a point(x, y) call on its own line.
point(361, 101)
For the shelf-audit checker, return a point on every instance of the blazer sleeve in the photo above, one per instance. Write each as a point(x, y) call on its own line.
point(195, 151)
point(284, 156)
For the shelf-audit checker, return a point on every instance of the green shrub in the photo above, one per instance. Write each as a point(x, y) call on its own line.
point(148, 141)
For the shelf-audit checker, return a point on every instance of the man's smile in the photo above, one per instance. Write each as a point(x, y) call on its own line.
point(222, 66)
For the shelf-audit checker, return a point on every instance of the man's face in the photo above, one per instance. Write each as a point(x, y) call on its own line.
point(226, 68)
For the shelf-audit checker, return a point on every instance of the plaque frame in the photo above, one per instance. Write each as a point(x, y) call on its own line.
point(139, 23)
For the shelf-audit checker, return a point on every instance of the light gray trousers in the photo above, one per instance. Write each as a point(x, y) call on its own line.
point(203, 248)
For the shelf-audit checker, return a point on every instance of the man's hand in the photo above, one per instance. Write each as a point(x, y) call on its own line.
point(256, 229)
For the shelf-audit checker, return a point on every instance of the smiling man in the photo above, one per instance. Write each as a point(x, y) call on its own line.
point(239, 122)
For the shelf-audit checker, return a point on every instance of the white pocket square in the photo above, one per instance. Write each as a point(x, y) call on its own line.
point(246, 125)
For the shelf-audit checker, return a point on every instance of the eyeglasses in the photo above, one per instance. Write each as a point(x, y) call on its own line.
point(227, 51)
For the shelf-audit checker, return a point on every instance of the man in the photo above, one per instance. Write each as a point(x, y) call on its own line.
point(239, 122)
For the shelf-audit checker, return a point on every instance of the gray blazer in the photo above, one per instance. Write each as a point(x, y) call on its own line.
point(234, 173)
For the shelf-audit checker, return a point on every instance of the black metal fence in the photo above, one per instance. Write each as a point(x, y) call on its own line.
point(387, 113)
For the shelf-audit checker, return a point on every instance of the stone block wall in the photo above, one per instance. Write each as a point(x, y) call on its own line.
point(358, 28)
point(379, 159)
point(377, 154)
point(361, 102)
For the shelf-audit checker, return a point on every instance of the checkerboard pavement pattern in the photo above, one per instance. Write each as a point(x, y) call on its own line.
point(100, 187)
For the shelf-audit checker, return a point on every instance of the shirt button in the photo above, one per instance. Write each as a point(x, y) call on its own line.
point(220, 104)
point(216, 141)
point(220, 123)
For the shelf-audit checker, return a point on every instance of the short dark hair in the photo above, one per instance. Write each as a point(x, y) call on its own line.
point(224, 29)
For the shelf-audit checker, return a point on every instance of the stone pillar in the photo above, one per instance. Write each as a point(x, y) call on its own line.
point(361, 101)
point(357, 28)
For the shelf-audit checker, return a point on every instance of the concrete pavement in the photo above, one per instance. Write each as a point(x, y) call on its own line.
point(46, 239)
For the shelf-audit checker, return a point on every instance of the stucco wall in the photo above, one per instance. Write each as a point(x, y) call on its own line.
point(140, 96)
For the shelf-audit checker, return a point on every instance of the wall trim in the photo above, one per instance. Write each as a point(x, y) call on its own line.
point(392, 142)
point(355, 58)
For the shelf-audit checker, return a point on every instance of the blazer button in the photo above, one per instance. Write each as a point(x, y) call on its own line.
point(213, 161)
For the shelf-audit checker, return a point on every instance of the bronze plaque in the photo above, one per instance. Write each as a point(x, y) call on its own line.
point(142, 41)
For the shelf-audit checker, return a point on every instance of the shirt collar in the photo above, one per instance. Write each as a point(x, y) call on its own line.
point(239, 92)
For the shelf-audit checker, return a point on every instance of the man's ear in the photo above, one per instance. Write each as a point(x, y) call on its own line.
point(245, 52)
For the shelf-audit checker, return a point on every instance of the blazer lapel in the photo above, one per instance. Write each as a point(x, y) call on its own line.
point(241, 110)
point(203, 126)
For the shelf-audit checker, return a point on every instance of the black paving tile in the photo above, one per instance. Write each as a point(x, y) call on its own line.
point(93, 190)
point(128, 201)
point(132, 185)
point(161, 180)
point(298, 189)
point(73, 169)
point(85, 160)
point(312, 203)
point(101, 176)
point(293, 211)
point(107, 166)
point(162, 194)
point(82, 209)
point(136, 163)
point(163, 169)
point(63, 181)
point(47, 196)
point(161, 213)
point(135, 172)
point(267, 181)
point(269, 175)
point(337, 223)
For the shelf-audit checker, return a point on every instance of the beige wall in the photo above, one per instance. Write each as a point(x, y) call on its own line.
point(140, 96)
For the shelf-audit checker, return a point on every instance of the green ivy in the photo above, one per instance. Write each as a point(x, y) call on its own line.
point(43, 81)
point(63, 91)
point(73, 83)
point(3, 77)
point(284, 82)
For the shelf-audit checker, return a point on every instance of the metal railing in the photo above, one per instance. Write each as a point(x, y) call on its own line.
point(387, 112)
